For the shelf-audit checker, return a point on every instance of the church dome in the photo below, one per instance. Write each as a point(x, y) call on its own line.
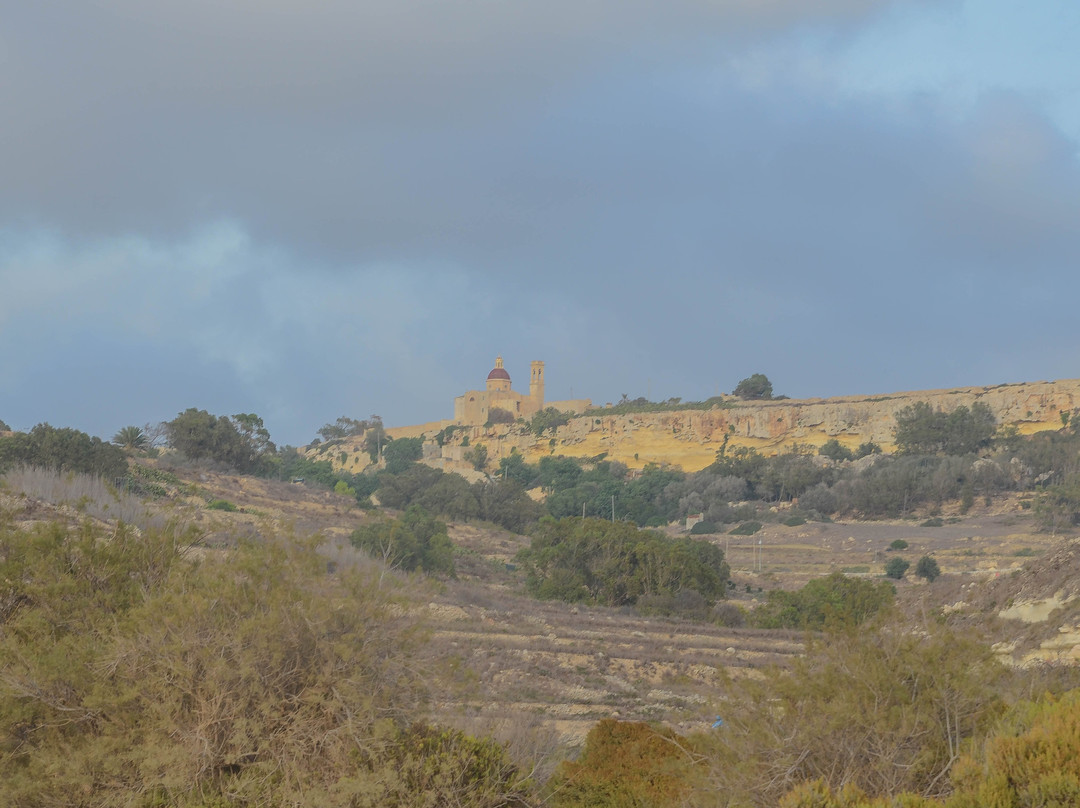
point(498, 372)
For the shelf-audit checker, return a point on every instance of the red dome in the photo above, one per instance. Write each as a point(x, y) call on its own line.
point(498, 373)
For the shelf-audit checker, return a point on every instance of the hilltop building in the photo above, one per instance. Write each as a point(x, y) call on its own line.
point(474, 408)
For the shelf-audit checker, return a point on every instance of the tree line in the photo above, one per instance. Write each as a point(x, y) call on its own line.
point(959, 455)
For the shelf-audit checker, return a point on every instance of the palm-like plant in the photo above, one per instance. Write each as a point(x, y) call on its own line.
point(130, 438)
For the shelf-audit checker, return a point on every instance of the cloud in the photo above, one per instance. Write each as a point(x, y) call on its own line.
point(308, 210)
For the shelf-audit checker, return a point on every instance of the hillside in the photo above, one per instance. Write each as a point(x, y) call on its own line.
point(561, 668)
point(690, 438)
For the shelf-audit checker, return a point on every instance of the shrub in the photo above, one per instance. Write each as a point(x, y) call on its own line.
point(548, 418)
point(898, 544)
point(615, 563)
point(625, 764)
point(704, 527)
point(220, 505)
point(729, 615)
point(835, 450)
point(342, 488)
point(133, 676)
point(415, 541)
point(926, 567)
point(833, 601)
point(881, 711)
point(497, 415)
point(746, 529)
point(896, 568)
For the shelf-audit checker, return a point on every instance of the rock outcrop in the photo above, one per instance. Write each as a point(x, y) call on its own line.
point(690, 438)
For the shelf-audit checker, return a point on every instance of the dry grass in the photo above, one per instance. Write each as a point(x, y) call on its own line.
point(81, 494)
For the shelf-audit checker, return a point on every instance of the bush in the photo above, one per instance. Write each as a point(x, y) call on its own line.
point(835, 450)
point(926, 567)
point(497, 415)
point(220, 505)
point(896, 568)
point(548, 418)
point(132, 676)
point(704, 527)
point(881, 711)
point(615, 563)
point(833, 601)
point(729, 615)
point(898, 544)
point(746, 529)
point(625, 764)
point(415, 541)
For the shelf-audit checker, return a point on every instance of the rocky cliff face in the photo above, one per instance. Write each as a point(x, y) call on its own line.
point(691, 438)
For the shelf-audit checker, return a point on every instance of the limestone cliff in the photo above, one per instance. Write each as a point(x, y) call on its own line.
point(691, 438)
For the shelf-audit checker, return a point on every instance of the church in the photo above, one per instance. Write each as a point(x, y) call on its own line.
point(475, 406)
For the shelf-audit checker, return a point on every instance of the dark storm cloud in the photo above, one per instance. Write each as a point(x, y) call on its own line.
point(305, 119)
point(309, 210)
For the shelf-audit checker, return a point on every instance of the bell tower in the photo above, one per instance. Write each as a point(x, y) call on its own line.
point(536, 385)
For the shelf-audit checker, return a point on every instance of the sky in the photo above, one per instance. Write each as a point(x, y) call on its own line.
point(308, 210)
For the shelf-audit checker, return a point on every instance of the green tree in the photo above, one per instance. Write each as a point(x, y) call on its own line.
point(896, 568)
point(375, 437)
point(515, 468)
point(755, 387)
point(62, 449)
point(615, 563)
point(920, 429)
point(202, 436)
point(506, 503)
point(1057, 507)
point(926, 567)
point(401, 453)
point(548, 418)
point(343, 427)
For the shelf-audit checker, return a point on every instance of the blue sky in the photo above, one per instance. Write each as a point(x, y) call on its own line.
point(306, 210)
